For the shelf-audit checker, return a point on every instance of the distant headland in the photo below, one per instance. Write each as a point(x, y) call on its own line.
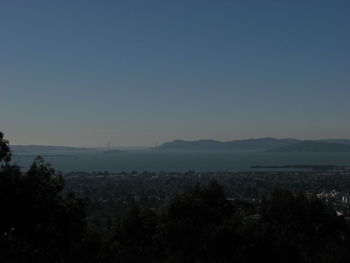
point(267, 144)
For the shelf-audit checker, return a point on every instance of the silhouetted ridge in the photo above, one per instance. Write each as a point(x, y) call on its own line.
point(248, 144)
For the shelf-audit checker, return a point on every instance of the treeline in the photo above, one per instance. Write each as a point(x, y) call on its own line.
point(39, 222)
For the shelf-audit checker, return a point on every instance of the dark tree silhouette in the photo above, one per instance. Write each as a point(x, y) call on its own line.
point(37, 222)
point(302, 230)
point(5, 154)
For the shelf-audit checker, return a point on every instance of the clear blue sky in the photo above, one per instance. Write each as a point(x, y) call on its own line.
point(83, 73)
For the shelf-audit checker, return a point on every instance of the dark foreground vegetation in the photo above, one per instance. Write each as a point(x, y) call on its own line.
point(41, 222)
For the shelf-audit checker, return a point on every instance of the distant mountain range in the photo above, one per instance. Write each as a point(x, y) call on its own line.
point(45, 149)
point(261, 144)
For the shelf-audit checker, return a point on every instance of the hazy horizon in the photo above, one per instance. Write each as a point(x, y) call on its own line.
point(112, 146)
point(138, 73)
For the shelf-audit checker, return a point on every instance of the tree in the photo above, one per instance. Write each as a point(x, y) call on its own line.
point(191, 222)
point(37, 223)
point(303, 230)
point(5, 153)
point(133, 237)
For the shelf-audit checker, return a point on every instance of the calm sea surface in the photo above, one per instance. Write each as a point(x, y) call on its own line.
point(153, 160)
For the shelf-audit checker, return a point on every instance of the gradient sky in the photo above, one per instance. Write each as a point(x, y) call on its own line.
point(134, 73)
